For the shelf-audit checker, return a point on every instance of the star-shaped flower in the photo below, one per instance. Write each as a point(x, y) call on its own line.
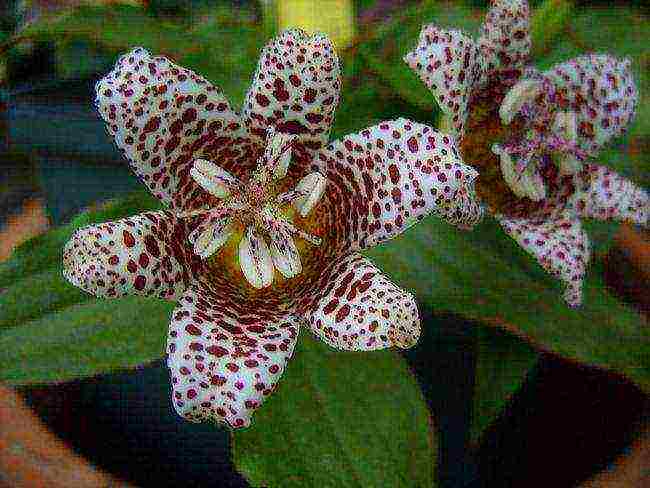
point(529, 134)
point(265, 221)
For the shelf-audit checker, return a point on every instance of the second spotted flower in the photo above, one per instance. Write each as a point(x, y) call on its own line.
point(530, 134)
point(265, 219)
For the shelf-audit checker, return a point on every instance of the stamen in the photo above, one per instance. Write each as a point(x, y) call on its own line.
point(523, 92)
point(194, 213)
point(526, 184)
point(284, 253)
point(290, 196)
point(210, 237)
point(313, 186)
point(213, 178)
point(255, 205)
point(277, 155)
point(565, 125)
point(255, 259)
point(315, 240)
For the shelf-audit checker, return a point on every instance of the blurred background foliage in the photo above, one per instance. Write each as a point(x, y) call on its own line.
point(484, 300)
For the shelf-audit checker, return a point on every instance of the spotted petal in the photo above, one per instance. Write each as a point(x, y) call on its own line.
point(601, 90)
point(388, 177)
point(354, 306)
point(447, 62)
point(603, 194)
point(295, 88)
point(505, 41)
point(225, 358)
point(146, 254)
point(560, 246)
point(163, 117)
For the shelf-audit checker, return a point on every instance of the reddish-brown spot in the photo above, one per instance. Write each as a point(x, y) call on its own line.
point(217, 351)
point(129, 240)
point(330, 307)
point(310, 95)
point(262, 100)
point(279, 91)
point(343, 312)
point(189, 115)
point(192, 330)
point(314, 118)
point(140, 282)
point(152, 125)
point(151, 245)
point(393, 172)
point(412, 144)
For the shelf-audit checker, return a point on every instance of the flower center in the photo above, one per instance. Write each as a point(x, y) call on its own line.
point(255, 216)
point(512, 138)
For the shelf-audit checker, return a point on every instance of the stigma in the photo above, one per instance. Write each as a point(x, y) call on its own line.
point(255, 207)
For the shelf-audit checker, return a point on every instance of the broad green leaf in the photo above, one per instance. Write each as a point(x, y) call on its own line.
point(45, 251)
point(340, 419)
point(37, 295)
point(365, 101)
point(485, 275)
point(84, 340)
point(502, 365)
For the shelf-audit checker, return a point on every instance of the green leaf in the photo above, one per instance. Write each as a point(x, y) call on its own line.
point(503, 363)
point(383, 53)
point(365, 101)
point(548, 21)
point(84, 340)
point(37, 295)
point(45, 251)
point(89, 38)
point(485, 275)
point(340, 419)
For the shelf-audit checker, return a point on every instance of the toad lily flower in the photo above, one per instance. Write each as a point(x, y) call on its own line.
point(530, 134)
point(264, 219)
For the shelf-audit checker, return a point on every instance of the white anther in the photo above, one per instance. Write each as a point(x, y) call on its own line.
point(565, 125)
point(213, 178)
point(312, 187)
point(255, 259)
point(212, 238)
point(526, 184)
point(522, 92)
point(278, 153)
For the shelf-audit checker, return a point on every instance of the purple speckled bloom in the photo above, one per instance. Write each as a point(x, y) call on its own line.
point(531, 134)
